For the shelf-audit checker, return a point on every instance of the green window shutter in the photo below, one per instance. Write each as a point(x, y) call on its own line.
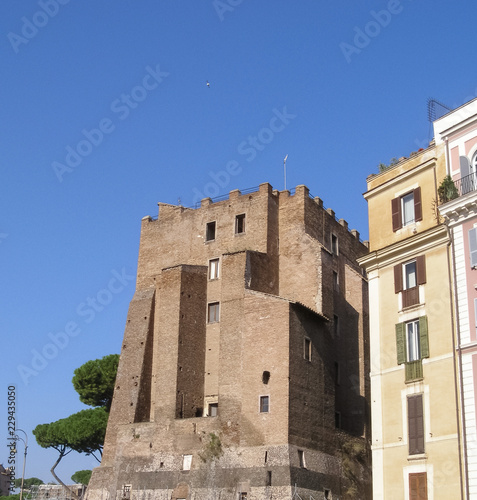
point(424, 337)
point(401, 343)
point(414, 370)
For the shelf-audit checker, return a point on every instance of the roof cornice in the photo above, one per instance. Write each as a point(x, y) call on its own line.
point(405, 249)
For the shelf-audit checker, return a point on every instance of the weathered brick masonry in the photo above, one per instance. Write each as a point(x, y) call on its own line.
point(246, 376)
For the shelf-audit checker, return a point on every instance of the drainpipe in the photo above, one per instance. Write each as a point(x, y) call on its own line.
point(461, 441)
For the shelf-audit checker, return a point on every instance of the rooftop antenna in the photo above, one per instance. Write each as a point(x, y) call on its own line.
point(285, 170)
point(436, 109)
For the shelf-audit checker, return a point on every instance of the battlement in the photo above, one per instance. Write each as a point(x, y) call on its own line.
point(298, 193)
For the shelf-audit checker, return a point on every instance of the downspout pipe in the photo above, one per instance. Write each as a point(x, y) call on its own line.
point(457, 353)
point(458, 380)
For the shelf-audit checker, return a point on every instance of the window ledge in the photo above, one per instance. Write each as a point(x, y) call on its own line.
point(419, 456)
point(412, 381)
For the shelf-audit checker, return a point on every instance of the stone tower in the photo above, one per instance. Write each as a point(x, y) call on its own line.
point(243, 370)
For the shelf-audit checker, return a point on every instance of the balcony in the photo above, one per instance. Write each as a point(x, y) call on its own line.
point(452, 189)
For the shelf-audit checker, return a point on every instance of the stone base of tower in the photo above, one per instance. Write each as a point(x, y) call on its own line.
point(262, 472)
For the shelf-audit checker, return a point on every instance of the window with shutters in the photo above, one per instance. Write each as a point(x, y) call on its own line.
point(407, 278)
point(415, 420)
point(412, 345)
point(406, 209)
point(473, 247)
point(418, 486)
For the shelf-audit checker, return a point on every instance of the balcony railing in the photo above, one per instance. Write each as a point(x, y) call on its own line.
point(452, 189)
point(466, 184)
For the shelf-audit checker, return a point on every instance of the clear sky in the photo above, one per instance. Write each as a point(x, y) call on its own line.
point(105, 111)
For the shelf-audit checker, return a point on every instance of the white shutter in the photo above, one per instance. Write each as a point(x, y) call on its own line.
point(473, 247)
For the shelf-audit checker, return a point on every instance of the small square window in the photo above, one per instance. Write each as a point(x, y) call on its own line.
point(213, 269)
point(307, 349)
point(213, 312)
point(264, 404)
point(210, 231)
point(240, 224)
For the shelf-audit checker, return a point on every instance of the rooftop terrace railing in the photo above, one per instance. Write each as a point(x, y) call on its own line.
point(466, 184)
point(451, 189)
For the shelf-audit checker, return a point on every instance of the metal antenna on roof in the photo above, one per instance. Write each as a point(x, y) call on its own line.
point(285, 170)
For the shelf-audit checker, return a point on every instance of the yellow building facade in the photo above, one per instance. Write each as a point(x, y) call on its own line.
point(414, 408)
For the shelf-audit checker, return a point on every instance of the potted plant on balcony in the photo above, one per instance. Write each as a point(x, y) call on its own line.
point(447, 190)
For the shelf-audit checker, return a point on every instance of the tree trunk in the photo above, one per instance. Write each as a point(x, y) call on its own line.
point(52, 470)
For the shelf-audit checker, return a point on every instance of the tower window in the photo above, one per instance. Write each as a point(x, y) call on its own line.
point(213, 409)
point(213, 269)
point(334, 244)
point(264, 404)
point(186, 462)
point(240, 224)
point(213, 312)
point(210, 231)
point(307, 349)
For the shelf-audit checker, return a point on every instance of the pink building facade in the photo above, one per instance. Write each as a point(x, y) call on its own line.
point(457, 130)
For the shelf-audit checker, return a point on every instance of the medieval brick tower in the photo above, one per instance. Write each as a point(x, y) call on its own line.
point(243, 370)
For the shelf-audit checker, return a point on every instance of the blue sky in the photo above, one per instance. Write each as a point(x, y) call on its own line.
point(105, 111)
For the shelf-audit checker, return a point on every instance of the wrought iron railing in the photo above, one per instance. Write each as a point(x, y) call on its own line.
point(466, 184)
